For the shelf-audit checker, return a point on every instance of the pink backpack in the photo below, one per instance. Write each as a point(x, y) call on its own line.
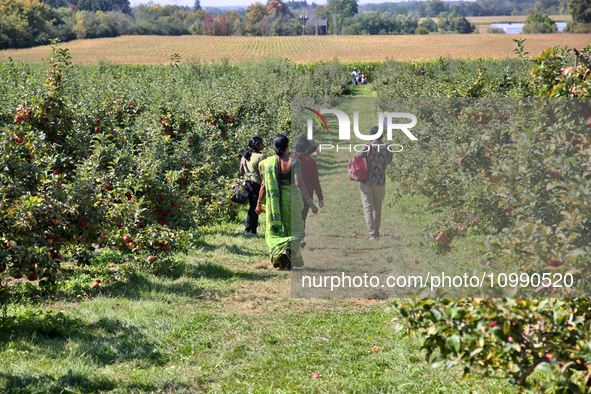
point(358, 170)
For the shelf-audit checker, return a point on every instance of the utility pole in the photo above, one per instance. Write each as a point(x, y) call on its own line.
point(334, 29)
point(304, 18)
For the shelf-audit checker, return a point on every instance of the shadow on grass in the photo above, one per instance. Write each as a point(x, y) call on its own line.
point(110, 341)
point(140, 285)
point(219, 272)
point(224, 247)
point(328, 164)
point(49, 383)
point(69, 382)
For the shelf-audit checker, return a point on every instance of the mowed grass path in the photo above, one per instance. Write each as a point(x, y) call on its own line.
point(158, 49)
point(224, 321)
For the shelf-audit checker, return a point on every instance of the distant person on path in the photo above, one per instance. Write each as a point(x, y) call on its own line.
point(373, 190)
point(309, 172)
point(249, 168)
point(283, 188)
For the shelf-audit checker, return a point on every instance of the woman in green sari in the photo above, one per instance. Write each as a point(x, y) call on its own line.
point(282, 186)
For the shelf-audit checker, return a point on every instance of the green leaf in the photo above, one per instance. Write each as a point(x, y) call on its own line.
point(453, 343)
point(475, 351)
point(552, 185)
point(435, 315)
point(434, 329)
point(546, 369)
point(438, 361)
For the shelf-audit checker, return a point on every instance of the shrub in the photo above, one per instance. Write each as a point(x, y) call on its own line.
point(22, 23)
point(522, 180)
point(539, 24)
point(422, 30)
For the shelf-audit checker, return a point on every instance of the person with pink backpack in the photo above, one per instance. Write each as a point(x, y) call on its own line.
point(373, 189)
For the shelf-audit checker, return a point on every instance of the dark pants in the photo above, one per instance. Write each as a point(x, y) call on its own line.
point(306, 206)
point(252, 218)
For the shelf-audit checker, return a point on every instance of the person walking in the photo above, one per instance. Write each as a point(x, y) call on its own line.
point(309, 168)
point(282, 189)
point(373, 189)
point(249, 168)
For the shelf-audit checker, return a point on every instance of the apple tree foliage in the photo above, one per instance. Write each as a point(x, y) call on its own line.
point(514, 165)
point(129, 157)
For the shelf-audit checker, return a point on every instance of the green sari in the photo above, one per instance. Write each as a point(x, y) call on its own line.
point(283, 206)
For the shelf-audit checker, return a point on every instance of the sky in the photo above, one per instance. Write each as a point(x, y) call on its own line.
point(245, 3)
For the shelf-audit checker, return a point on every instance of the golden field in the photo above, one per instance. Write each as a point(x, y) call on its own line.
point(158, 49)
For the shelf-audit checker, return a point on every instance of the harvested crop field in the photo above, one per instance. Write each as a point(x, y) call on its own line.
point(158, 49)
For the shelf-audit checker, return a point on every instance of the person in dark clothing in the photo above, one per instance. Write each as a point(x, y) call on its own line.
point(249, 167)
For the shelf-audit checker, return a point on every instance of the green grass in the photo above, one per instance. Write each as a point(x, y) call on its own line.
point(336, 237)
point(223, 321)
point(367, 90)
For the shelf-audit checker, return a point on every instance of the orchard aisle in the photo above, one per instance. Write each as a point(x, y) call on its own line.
point(219, 320)
point(336, 237)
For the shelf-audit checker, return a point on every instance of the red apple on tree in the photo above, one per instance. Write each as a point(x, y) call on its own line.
point(33, 276)
point(166, 247)
point(567, 70)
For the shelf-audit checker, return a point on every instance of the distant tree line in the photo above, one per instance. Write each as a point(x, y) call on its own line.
point(26, 23)
point(478, 8)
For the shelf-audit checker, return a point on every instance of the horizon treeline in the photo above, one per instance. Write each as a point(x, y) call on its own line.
point(26, 23)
